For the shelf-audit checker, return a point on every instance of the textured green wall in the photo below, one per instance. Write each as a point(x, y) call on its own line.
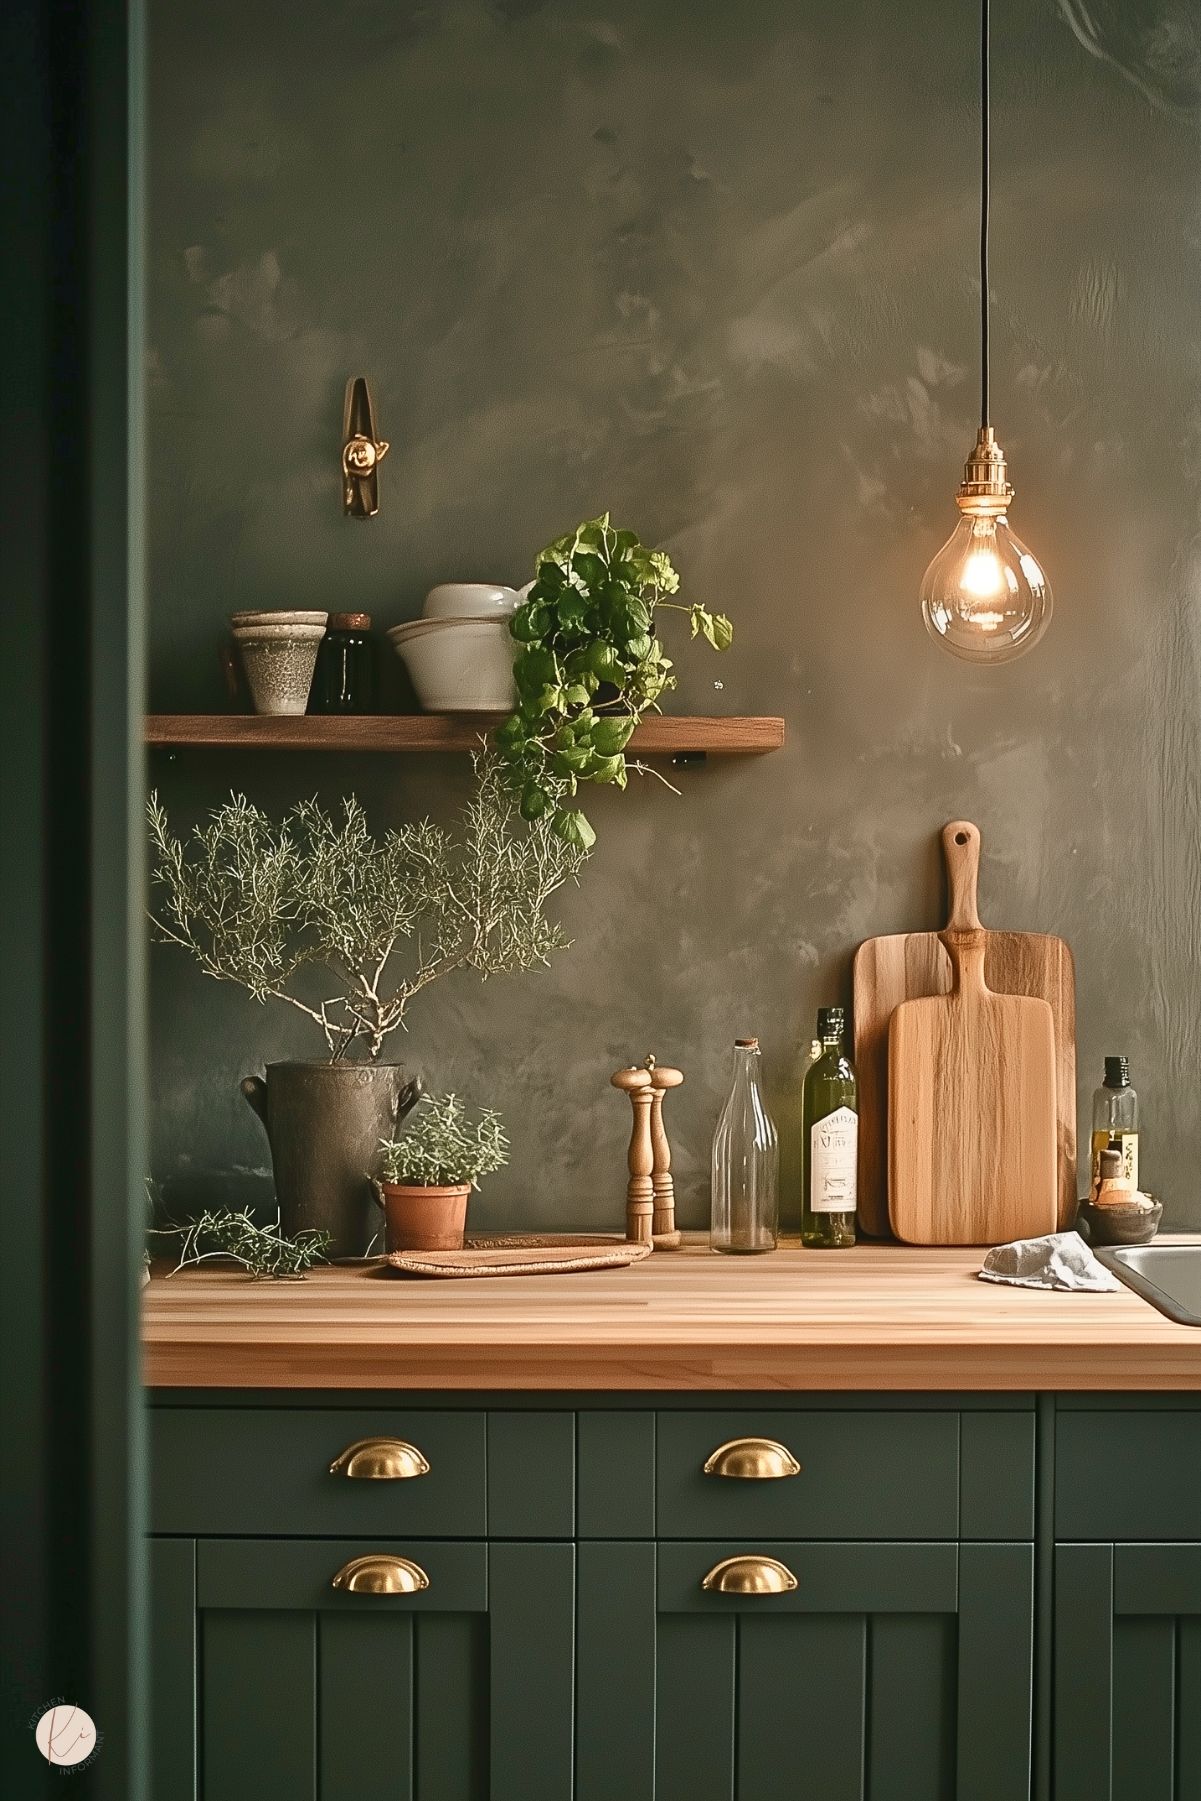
point(711, 266)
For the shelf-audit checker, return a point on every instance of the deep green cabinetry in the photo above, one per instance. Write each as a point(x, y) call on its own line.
point(995, 1600)
point(887, 1470)
point(271, 1685)
point(1127, 1599)
point(252, 1470)
point(267, 1470)
point(864, 1475)
point(896, 1671)
point(1128, 1672)
point(1130, 1474)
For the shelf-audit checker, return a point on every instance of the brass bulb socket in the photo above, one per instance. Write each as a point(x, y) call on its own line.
point(984, 492)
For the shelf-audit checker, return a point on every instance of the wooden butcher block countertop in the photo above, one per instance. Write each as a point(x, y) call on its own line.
point(874, 1318)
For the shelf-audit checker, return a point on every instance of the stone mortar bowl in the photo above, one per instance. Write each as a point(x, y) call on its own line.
point(1119, 1225)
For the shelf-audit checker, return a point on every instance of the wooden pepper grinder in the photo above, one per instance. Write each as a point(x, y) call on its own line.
point(640, 1190)
point(663, 1223)
point(650, 1192)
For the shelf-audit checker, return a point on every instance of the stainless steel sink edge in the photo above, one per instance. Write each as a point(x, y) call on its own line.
point(1132, 1264)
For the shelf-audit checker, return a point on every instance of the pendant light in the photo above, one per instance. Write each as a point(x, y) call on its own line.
point(985, 597)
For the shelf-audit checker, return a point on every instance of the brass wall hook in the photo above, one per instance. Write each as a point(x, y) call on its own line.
point(362, 452)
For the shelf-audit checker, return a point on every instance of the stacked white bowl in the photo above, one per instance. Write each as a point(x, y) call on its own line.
point(279, 653)
point(459, 654)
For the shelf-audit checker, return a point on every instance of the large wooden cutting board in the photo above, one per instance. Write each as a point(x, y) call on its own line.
point(971, 1111)
point(910, 965)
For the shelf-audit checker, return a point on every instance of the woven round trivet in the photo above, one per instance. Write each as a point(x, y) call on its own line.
point(515, 1254)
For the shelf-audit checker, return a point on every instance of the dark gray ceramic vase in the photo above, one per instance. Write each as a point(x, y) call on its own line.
point(324, 1122)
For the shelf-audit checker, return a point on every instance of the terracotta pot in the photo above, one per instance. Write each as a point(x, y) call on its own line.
point(425, 1219)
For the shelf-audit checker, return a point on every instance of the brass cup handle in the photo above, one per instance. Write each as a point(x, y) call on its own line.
point(380, 1460)
point(381, 1575)
point(752, 1460)
point(750, 1576)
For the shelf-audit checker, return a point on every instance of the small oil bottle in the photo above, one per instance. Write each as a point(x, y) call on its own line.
point(1115, 1120)
point(829, 1140)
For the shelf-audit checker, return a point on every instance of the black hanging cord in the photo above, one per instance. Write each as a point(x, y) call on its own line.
point(984, 187)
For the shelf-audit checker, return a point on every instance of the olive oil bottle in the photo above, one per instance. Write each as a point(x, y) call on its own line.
point(829, 1140)
point(1115, 1119)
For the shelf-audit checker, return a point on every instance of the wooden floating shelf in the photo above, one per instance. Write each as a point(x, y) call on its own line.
point(659, 736)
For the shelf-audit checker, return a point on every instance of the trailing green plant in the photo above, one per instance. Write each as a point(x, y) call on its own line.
point(442, 1146)
point(314, 911)
point(589, 666)
point(261, 1250)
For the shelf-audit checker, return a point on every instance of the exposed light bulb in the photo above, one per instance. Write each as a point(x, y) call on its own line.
point(985, 597)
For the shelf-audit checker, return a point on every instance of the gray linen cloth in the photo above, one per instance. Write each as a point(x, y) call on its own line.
point(1060, 1260)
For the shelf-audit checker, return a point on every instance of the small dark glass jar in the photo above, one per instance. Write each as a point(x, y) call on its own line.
point(344, 679)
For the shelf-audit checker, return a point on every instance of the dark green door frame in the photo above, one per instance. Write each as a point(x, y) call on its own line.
point(70, 767)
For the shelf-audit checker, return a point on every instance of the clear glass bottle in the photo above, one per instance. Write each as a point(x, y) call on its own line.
point(1115, 1120)
point(746, 1157)
point(829, 1140)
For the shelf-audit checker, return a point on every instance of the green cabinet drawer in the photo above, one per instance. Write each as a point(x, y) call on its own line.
point(861, 1475)
point(241, 1471)
point(1128, 1474)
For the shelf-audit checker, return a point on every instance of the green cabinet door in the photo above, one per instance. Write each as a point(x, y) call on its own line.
point(899, 1672)
point(1127, 1672)
point(280, 1687)
point(173, 1668)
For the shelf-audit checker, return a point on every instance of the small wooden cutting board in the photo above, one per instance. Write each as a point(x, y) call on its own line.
point(971, 1114)
point(910, 965)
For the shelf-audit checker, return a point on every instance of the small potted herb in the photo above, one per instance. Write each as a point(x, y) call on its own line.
point(428, 1172)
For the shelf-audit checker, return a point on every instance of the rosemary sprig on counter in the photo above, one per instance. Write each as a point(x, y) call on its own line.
point(262, 1251)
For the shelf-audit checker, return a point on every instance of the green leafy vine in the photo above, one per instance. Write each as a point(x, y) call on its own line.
point(589, 666)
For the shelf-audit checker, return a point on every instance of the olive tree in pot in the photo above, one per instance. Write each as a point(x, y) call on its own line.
point(429, 1171)
point(318, 913)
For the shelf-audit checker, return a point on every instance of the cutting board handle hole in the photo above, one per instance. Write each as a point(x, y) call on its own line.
point(961, 837)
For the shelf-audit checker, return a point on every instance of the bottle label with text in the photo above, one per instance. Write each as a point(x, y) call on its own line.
point(1127, 1143)
point(834, 1159)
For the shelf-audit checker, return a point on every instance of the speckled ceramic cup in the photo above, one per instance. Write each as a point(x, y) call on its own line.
point(279, 655)
point(281, 617)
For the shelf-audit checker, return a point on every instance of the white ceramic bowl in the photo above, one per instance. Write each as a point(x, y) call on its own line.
point(470, 600)
point(459, 665)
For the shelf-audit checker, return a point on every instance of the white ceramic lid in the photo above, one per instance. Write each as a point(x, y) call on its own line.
point(419, 628)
